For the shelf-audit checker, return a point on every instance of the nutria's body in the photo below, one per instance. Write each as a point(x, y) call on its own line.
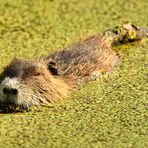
point(49, 79)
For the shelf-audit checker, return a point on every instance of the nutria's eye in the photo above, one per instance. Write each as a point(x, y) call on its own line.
point(37, 74)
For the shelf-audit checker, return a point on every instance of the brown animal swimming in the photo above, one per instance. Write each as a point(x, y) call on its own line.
point(49, 79)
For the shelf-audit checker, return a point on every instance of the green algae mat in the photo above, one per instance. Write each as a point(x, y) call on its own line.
point(108, 112)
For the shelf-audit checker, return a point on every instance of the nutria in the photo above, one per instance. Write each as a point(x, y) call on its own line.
point(49, 79)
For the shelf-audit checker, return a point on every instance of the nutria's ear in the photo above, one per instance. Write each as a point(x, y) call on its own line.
point(52, 66)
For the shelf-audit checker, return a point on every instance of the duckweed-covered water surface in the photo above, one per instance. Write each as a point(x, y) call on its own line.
point(109, 112)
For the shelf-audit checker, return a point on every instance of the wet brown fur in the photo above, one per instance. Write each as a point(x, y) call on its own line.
point(84, 57)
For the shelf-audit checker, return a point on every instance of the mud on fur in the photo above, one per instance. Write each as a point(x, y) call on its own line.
point(49, 79)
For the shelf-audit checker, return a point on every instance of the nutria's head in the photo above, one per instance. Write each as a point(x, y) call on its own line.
point(27, 83)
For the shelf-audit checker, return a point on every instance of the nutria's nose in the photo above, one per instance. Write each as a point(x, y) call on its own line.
point(12, 91)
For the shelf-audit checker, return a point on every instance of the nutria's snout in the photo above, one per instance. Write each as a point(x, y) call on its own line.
point(10, 94)
point(9, 90)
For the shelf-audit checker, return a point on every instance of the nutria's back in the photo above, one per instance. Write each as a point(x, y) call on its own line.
point(82, 58)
